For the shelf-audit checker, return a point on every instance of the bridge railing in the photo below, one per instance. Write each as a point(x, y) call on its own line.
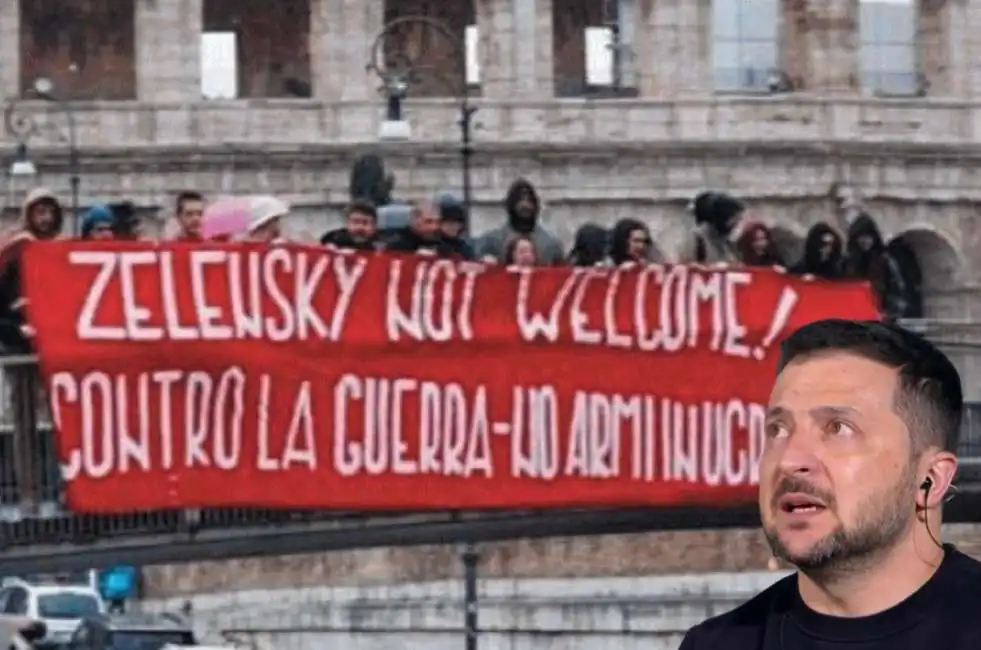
point(33, 510)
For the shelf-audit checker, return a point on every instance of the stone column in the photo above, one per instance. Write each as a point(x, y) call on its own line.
point(673, 48)
point(949, 47)
point(515, 49)
point(820, 43)
point(168, 51)
point(10, 50)
point(342, 32)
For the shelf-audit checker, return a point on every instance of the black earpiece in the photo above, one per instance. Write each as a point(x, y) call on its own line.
point(927, 484)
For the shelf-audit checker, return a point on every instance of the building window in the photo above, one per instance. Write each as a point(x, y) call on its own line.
point(471, 43)
point(219, 65)
point(272, 45)
point(423, 47)
point(86, 49)
point(888, 47)
point(745, 49)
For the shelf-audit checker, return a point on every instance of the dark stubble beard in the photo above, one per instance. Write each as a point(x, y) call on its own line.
point(883, 518)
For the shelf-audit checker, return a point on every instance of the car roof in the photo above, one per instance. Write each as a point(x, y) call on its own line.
point(48, 590)
point(142, 622)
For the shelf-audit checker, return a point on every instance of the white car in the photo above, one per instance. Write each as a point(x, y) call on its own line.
point(59, 607)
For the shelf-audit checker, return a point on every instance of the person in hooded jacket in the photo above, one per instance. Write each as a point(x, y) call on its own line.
point(360, 231)
point(867, 258)
point(98, 223)
point(630, 243)
point(422, 235)
point(757, 248)
point(717, 217)
point(452, 224)
point(524, 208)
point(822, 254)
point(590, 246)
point(42, 219)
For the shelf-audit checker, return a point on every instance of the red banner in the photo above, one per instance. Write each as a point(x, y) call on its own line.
point(188, 376)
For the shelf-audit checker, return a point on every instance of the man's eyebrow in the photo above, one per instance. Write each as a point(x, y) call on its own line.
point(824, 410)
point(834, 409)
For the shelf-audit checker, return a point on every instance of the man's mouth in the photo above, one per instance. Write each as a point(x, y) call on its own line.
point(797, 503)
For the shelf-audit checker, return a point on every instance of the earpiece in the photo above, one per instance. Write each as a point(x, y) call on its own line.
point(927, 484)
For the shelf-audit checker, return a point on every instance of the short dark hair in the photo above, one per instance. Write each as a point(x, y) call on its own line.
point(362, 207)
point(929, 397)
point(184, 197)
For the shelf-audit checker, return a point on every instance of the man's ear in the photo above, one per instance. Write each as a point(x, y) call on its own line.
point(940, 472)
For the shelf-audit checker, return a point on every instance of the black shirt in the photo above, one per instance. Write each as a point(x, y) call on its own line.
point(944, 614)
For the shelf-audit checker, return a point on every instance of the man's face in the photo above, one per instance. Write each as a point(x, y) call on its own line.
point(865, 242)
point(827, 248)
point(834, 441)
point(451, 229)
point(361, 226)
point(43, 216)
point(267, 232)
point(190, 216)
point(425, 221)
point(102, 232)
point(526, 206)
point(638, 244)
point(524, 253)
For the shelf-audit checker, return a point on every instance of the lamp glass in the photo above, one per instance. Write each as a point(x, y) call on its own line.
point(43, 86)
point(22, 168)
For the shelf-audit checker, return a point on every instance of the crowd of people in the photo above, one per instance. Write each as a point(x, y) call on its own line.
point(722, 231)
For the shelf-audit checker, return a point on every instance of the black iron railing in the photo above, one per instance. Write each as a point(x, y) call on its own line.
point(33, 513)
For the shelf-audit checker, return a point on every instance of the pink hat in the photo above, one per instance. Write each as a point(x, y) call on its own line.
point(227, 219)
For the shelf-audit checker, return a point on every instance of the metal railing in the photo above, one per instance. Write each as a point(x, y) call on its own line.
point(33, 512)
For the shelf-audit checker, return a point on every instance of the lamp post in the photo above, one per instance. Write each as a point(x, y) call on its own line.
point(397, 75)
point(22, 124)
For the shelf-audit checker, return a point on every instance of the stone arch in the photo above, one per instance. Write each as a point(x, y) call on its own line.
point(931, 263)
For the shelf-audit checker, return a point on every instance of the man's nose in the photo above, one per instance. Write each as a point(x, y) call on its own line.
point(800, 454)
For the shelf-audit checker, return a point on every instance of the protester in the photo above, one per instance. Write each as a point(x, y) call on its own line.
point(630, 243)
point(42, 218)
point(453, 223)
point(867, 259)
point(251, 219)
point(521, 251)
point(524, 207)
point(756, 246)
point(822, 253)
point(266, 215)
point(590, 246)
point(717, 217)
point(360, 231)
point(189, 214)
point(857, 462)
point(127, 225)
point(98, 223)
point(422, 235)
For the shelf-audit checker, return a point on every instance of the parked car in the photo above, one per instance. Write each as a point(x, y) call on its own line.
point(132, 632)
point(59, 607)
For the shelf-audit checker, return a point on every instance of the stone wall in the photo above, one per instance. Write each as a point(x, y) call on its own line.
point(529, 48)
point(682, 552)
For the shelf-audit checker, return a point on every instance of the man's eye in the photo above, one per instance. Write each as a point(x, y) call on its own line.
point(839, 428)
point(776, 430)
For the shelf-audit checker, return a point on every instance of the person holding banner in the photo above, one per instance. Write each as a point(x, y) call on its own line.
point(857, 463)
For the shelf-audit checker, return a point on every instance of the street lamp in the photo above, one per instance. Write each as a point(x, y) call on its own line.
point(397, 75)
point(44, 88)
point(22, 166)
point(22, 124)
